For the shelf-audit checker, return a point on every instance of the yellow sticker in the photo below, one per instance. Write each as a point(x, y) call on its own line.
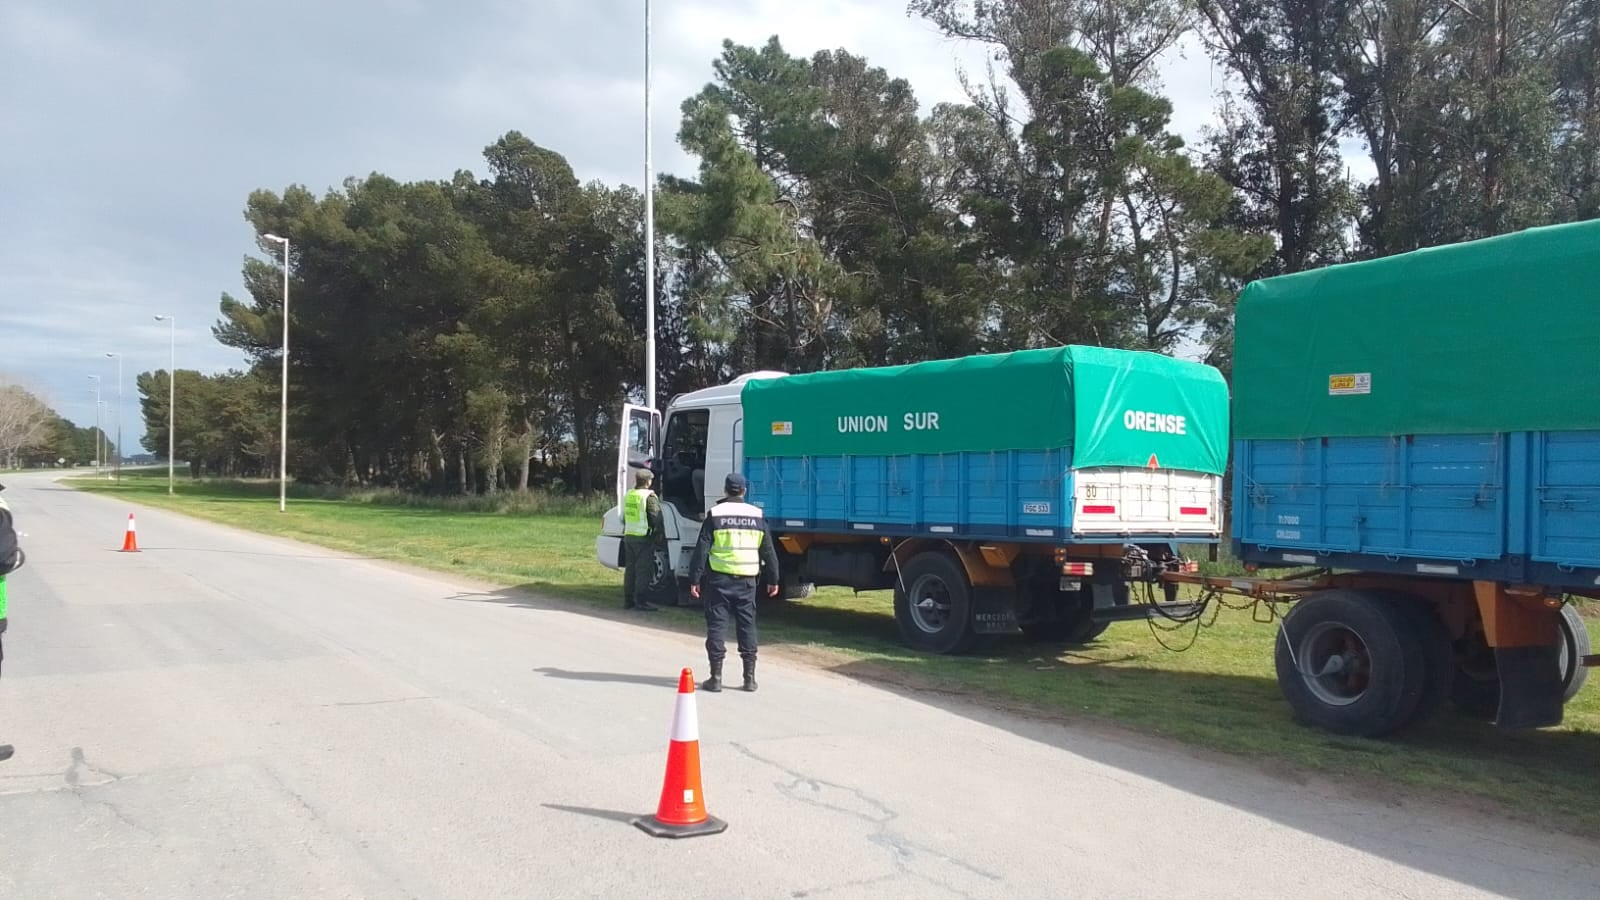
point(1360, 383)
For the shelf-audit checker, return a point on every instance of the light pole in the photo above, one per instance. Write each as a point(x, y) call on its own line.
point(99, 434)
point(117, 464)
point(105, 442)
point(172, 392)
point(649, 234)
point(283, 423)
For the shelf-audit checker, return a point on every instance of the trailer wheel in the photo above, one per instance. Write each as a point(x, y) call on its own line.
point(1476, 688)
point(933, 604)
point(1574, 647)
point(1351, 663)
point(1438, 658)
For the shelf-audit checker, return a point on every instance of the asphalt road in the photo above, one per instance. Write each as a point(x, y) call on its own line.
point(227, 715)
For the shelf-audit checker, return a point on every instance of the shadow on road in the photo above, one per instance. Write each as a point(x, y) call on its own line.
point(780, 622)
point(1220, 708)
point(1569, 762)
point(145, 548)
point(608, 677)
point(610, 815)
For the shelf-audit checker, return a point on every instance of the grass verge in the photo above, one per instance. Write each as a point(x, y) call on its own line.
point(1219, 694)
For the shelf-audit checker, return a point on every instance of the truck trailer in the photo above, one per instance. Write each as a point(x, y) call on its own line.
point(1419, 436)
point(993, 494)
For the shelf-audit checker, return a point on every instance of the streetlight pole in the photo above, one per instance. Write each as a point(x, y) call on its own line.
point(283, 413)
point(99, 434)
point(649, 234)
point(117, 465)
point(105, 442)
point(172, 392)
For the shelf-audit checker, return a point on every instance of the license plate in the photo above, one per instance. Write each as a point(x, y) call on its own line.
point(1071, 584)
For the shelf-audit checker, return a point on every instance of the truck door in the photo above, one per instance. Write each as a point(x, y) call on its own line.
point(637, 445)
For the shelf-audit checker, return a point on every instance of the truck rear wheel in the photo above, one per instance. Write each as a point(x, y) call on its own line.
point(933, 604)
point(1475, 692)
point(1351, 663)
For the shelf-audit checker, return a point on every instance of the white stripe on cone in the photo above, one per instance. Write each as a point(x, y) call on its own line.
point(685, 724)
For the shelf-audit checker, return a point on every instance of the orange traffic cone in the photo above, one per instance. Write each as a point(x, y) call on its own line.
point(130, 543)
point(682, 810)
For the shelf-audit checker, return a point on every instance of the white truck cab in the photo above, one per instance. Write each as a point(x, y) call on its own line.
point(700, 442)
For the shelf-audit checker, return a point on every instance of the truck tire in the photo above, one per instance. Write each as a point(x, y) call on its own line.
point(1351, 663)
point(1438, 658)
point(933, 604)
point(791, 590)
point(1475, 692)
point(1574, 647)
point(1086, 629)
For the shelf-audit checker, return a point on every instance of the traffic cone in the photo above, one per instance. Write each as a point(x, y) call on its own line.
point(682, 810)
point(130, 543)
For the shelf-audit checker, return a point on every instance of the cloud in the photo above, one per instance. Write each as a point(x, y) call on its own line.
point(133, 132)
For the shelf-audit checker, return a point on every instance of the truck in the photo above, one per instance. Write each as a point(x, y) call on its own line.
point(1415, 453)
point(1416, 450)
point(1023, 492)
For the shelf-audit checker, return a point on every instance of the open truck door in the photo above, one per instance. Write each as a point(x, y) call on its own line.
point(637, 446)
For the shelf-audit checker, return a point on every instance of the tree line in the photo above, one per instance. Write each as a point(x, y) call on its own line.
point(33, 435)
point(477, 333)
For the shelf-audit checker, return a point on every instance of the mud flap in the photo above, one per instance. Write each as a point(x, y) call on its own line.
point(994, 610)
point(1530, 687)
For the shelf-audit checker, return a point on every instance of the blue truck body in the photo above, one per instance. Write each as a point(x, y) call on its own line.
point(1006, 495)
point(1022, 496)
point(1517, 508)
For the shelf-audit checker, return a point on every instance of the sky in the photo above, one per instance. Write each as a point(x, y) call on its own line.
point(132, 133)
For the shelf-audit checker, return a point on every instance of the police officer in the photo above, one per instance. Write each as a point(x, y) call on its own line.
point(10, 560)
point(642, 534)
point(736, 545)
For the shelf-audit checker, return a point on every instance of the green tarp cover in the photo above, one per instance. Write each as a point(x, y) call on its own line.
point(1113, 407)
point(1489, 336)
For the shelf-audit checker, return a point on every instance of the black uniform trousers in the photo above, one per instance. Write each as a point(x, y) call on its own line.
point(724, 594)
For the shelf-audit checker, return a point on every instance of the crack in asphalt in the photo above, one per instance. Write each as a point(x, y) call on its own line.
point(903, 851)
point(75, 784)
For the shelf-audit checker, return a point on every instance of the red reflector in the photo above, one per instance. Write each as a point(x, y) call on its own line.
point(1099, 510)
point(1194, 511)
point(1077, 568)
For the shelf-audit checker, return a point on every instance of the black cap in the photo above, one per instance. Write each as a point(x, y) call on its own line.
point(734, 483)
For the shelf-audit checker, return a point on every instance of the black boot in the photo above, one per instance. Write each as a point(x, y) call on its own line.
point(750, 675)
point(714, 683)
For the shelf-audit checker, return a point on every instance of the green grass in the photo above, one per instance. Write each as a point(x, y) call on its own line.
point(1219, 694)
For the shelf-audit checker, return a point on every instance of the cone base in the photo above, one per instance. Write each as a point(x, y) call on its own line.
point(658, 828)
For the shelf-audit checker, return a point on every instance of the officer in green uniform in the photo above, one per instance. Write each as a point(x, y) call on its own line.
point(735, 545)
point(11, 559)
point(642, 535)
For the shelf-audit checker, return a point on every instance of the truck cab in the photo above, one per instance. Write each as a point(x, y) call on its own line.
point(691, 450)
point(1038, 514)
